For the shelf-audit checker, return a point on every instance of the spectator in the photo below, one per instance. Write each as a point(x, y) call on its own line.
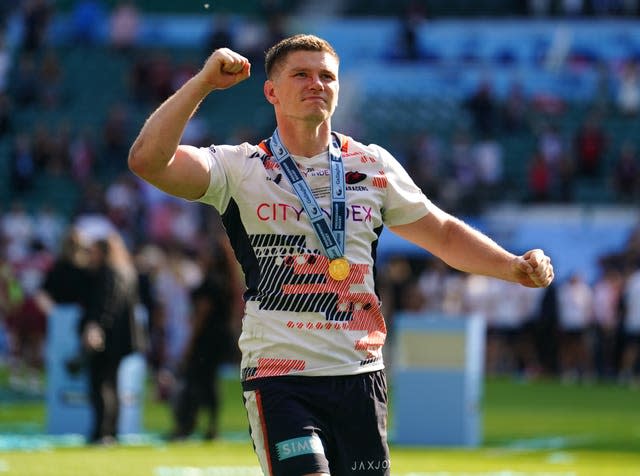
point(219, 36)
point(6, 61)
point(23, 165)
point(575, 309)
point(210, 343)
point(82, 155)
point(547, 331)
point(628, 93)
point(483, 108)
point(123, 206)
point(42, 146)
point(160, 77)
point(59, 149)
point(509, 328)
point(489, 162)
point(149, 260)
point(67, 282)
point(6, 116)
point(607, 295)
point(423, 162)
point(408, 47)
point(27, 324)
point(432, 283)
point(107, 330)
point(540, 179)
point(36, 17)
point(174, 284)
point(138, 79)
point(116, 140)
point(11, 295)
point(49, 226)
point(590, 146)
point(11, 298)
point(629, 369)
point(626, 173)
point(551, 145)
point(461, 191)
point(124, 24)
point(515, 110)
point(16, 226)
point(51, 82)
point(25, 85)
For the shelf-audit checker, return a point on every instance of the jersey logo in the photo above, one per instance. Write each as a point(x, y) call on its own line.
point(354, 177)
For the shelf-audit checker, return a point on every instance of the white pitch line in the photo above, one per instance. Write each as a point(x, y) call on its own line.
point(255, 471)
point(207, 471)
point(490, 473)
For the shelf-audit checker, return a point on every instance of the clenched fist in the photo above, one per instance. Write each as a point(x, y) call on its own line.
point(533, 269)
point(225, 68)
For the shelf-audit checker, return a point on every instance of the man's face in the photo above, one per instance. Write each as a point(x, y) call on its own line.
point(305, 86)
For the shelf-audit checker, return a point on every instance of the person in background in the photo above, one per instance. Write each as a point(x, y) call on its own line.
point(303, 211)
point(108, 330)
point(210, 343)
point(630, 362)
point(67, 282)
point(575, 312)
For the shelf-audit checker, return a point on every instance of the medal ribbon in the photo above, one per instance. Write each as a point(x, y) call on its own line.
point(332, 236)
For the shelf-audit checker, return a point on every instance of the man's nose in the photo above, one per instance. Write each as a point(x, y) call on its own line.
point(316, 82)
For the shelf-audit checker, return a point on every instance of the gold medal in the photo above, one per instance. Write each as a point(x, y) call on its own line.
point(339, 269)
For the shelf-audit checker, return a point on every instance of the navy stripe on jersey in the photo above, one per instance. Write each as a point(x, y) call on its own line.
point(274, 253)
point(374, 256)
point(242, 247)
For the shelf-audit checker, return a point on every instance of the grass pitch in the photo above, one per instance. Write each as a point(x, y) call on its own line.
point(530, 429)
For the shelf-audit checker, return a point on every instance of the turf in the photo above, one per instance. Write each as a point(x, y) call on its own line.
point(530, 429)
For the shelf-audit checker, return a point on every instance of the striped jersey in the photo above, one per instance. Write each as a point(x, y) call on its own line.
point(298, 320)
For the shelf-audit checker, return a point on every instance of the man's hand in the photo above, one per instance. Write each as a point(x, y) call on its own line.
point(93, 337)
point(533, 269)
point(225, 68)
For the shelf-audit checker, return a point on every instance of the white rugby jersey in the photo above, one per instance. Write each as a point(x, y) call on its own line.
point(298, 320)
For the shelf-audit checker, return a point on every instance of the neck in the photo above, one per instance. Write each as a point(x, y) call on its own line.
point(304, 140)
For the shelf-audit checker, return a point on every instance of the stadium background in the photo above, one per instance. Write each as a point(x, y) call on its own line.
point(482, 101)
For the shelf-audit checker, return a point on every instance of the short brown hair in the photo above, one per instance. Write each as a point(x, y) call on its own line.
point(278, 52)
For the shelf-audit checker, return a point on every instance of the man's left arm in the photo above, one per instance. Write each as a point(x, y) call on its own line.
point(467, 249)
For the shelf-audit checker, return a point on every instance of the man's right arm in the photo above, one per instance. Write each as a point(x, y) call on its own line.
point(157, 156)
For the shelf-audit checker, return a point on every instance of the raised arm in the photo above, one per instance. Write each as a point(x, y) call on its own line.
point(468, 250)
point(157, 156)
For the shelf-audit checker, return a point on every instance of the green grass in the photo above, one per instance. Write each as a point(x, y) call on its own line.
point(530, 429)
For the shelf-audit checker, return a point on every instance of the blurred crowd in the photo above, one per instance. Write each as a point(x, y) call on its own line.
point(575, 329)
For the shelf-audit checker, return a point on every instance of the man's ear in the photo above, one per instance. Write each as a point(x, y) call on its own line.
point(269, 92)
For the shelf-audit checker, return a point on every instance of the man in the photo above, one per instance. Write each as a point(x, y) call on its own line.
point(304, 210)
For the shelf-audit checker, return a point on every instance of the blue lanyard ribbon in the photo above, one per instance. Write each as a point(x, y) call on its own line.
point(332, 236)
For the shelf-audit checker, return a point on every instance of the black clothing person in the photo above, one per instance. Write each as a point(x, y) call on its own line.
point(107, 330)
point(211, 343)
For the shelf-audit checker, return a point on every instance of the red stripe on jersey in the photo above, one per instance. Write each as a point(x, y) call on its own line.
point(364, 306)
point(272, 367)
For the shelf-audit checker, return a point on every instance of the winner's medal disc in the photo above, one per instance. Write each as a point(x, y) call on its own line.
point(339, 269)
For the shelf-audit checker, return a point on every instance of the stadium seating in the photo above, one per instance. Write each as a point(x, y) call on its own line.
point(388, 96)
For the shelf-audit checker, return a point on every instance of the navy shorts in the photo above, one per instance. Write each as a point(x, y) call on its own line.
point(335, 425)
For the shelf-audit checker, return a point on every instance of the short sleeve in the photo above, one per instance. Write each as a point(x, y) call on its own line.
point(404, 201)
point(226, 165)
